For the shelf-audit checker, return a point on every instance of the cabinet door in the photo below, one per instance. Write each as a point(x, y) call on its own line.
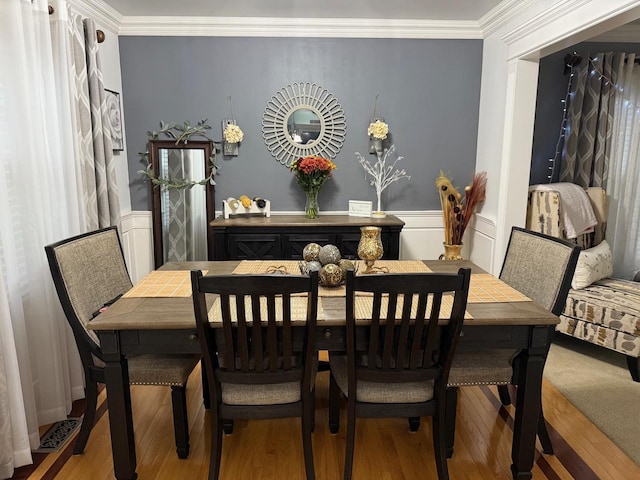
point(254, 247)
point(348, 244)
point(293, 244)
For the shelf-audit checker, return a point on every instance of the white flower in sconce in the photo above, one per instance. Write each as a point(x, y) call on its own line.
point(378, 130)
point(233, 134)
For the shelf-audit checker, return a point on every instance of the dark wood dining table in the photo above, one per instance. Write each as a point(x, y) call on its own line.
point(166, 325)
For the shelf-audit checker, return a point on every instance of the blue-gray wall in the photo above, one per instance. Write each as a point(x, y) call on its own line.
point(429, 95)
point(552, 88)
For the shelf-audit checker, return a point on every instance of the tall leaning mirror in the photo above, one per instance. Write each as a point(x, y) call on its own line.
point(182, 211)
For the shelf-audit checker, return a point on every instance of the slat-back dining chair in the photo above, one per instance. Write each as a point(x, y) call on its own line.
point(541, 267)
point(398, 365)
point(89, 273)
point(260, 357)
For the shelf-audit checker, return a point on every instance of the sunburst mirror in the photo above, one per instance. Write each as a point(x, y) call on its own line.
point(303, 119)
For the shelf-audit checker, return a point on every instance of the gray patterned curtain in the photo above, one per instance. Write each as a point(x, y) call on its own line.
point(102, 206)
point(587, 147)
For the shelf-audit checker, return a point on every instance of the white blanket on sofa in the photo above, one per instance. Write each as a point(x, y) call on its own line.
point(577, 213)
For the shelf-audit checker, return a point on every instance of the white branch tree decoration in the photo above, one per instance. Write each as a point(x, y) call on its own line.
point(383, 174)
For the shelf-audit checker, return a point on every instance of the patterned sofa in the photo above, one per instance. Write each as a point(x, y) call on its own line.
point(607, 311)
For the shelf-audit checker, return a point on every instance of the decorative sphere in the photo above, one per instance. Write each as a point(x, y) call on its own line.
point(311, 252)
point(345, 265)
point(331, 275)
point(312, 266)
point(329, 254)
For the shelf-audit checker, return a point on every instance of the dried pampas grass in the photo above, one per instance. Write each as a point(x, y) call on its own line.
point(456, 209)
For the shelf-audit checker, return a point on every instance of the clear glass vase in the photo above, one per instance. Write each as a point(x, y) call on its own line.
point(311, 209)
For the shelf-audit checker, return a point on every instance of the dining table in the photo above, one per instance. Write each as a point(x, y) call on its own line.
point(156, 316)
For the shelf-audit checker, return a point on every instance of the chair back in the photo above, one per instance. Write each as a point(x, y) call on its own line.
point(266, 329)
point(89, 272)
point(414, 327)
point(540, 266)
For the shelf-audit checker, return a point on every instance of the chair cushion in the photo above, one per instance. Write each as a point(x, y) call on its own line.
point(374, 392)
point(161, 369)
point(268, 394)
point(490, 367)
point(611, 302)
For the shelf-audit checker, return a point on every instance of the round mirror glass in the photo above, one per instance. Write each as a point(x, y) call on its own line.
point(303, 119)
point(303, 126)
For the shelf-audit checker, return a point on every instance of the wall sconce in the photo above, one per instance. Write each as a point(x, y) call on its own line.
point(232, 135)
point(377, 130)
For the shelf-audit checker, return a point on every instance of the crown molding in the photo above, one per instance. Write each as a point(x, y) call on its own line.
point(501, 14)
point(560, 8)
point(100, 12)
point(298, 27)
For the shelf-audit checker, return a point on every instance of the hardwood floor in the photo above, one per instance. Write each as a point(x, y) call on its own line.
point(385, 450)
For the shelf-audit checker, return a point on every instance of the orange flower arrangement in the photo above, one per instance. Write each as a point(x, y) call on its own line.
point(311, 173)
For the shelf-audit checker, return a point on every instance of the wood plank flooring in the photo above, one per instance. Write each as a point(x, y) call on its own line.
point(385, 450)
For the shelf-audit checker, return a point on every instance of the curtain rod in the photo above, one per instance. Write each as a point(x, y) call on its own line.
point(100, 36)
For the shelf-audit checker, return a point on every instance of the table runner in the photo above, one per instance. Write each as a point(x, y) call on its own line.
point(484, 287)
point(254, 267)
point(163, 283)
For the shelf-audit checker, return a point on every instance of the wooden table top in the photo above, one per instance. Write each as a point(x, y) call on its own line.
point(177, 312)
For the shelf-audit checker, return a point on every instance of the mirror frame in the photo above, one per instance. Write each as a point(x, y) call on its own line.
point(286, 102)
point(154, 147)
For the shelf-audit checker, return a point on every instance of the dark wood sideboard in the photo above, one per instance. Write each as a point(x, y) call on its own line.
point(283, 237)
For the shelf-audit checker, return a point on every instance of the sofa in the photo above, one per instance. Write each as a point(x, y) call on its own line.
point(599, 309)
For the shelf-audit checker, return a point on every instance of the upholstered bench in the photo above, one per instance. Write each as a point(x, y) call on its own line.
point(599, 309)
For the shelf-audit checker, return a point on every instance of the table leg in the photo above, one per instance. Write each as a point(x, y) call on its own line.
point(120, 419)
point(530, 367)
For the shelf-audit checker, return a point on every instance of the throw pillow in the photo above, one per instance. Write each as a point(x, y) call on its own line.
point(593, 264)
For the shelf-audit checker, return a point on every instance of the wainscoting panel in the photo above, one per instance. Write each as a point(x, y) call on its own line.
point(137, 243)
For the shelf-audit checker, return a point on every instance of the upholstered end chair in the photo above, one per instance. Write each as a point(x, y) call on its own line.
point(541, 267)
point(89, 273)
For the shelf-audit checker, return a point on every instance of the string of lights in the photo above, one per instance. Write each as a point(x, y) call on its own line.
point(563, 126)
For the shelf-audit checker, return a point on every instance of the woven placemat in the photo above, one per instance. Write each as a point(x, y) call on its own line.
point(364, 305)
point(485, 288)
point(163, 283)
point(298, 309)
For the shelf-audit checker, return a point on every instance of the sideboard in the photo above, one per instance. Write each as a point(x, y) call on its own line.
point(283, 237)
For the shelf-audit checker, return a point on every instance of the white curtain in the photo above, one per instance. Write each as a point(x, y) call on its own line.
point(40, 372)
point(623, 228)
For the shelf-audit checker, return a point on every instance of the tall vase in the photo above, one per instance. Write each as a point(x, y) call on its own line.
point(311, 209)
point(451, 252)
